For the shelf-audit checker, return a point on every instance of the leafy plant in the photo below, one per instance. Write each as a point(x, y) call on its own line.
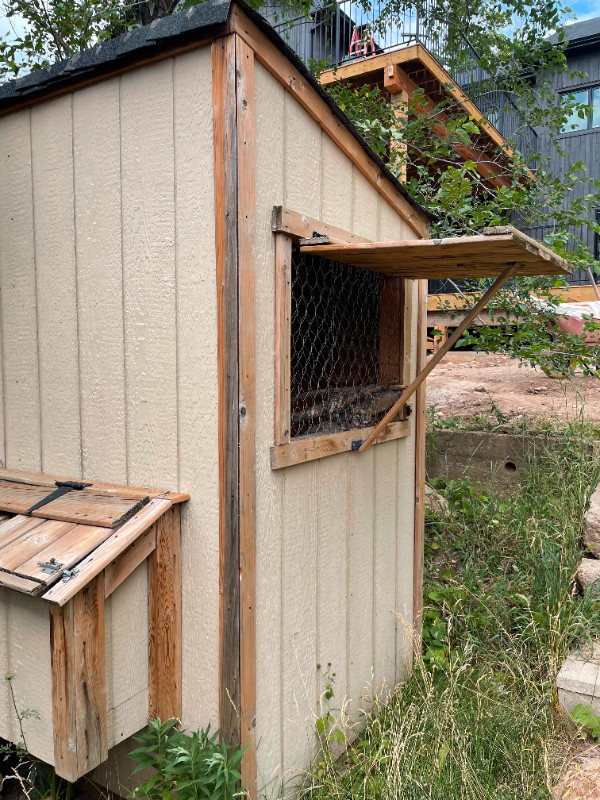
point(585, 715)
point(187, 766)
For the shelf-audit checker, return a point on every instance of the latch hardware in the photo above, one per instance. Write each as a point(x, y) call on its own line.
point(50, 566)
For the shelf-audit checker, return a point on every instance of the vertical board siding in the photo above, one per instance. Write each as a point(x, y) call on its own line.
point(97, 182)
point(147, 164)
point(269, 154)
point(54, 241)
point(20, 370)
point(342, 526)
point(197, 382)
point(112, 282)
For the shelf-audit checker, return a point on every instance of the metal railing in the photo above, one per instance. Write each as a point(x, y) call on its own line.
point(338, 33)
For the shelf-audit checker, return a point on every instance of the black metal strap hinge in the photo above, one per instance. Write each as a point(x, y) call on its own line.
point(63, 487)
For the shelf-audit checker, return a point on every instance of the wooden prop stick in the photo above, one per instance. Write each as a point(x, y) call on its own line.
point(408, 392)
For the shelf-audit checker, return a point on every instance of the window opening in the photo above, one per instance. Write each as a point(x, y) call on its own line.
point(588, 120)
point(343, 376)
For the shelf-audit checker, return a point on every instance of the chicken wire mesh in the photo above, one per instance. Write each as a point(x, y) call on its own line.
point(335, 381)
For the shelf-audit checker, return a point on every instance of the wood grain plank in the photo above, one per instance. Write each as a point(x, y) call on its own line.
point(64, 728)
point(312, 448)
point(105, 553)
point(89, 676)
point(244, 56)
point(97, 487)
point(68, 550)
point(283, 334)
point(391, 308)
point(14, 527)
point(164, 618)
point(420, 427)
point(77, 642)
point(300, 226)
point(226, 210)
point(34, 541)
point(122, 566)
point(87, 508)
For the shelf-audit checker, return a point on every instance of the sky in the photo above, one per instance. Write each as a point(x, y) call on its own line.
point(585, 9)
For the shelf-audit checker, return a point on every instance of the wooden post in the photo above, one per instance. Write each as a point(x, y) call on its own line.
point(164, 618)
point(79, 682)
point(226, 244)
point(283, 315)
point(394, 85)
point(244, 56)
point(420, 424)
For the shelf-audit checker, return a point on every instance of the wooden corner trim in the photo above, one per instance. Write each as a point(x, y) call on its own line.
point(295, 83)
point(226, 210)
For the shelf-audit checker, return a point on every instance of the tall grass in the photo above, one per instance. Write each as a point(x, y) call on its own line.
point(479, 718)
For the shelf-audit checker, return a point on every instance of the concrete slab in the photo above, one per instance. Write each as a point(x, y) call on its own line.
point(579, 680)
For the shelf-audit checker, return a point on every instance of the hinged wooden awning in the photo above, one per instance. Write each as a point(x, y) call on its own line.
point(57, 534)
point(459, 257)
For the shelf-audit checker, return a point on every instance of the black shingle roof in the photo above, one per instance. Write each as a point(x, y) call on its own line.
point(580, 34)
point(166, 34)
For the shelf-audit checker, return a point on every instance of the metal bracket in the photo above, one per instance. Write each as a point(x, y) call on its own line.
point(356, 444)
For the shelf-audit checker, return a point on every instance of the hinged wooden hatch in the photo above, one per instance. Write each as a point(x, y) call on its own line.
point(71, 544)
point(459, 257)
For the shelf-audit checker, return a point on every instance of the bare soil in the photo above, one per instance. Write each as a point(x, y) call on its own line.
point(469, 384)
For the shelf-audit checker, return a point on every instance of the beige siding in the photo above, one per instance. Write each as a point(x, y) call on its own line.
point(109, 365)
point(335, 541)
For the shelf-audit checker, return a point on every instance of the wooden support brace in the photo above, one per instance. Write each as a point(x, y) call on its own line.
point(409, 391)
point(79, 682)
point(164, 618)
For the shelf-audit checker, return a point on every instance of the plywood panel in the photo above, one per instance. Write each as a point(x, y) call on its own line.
point(18, 296)
point(97, 181)
point(147, 164)
point(299, 617)
point(29, 626)
point(386, 469)
point(332, 549)
point(361, 490)
point(197, 381)
point(128, 646)
point(54, 242)
point(269, 104)
point(302, 159)
point(365, 206)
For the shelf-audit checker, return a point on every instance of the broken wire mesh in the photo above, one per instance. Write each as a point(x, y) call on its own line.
point(335, 343)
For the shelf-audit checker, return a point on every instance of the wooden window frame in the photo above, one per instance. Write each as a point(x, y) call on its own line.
point(290, 227)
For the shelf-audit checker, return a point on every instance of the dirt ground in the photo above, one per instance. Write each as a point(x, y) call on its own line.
point(467, 384)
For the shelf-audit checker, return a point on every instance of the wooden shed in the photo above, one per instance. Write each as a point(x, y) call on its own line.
point(195, 297)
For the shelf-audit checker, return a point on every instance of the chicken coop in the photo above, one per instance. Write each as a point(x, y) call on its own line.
point(212, 337)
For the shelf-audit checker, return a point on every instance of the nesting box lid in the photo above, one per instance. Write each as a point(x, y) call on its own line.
point(57, 534)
